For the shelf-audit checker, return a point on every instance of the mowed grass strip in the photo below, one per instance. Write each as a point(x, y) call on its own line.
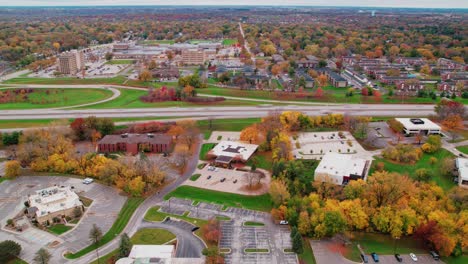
point(205, 148)
point(463, 149)
point(66, 80)
point(59, 229)
point(152, 236)
point(259, 202)
point(124, 216)
point(58, 98)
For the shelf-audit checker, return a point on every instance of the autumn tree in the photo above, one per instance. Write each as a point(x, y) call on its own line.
point(452, 123)
point(252, 134)
point(211, 231)
point(145, 76)
point(42, 256)
point(433, 144)
point(278, 191)
point(385, 188)
point(12, 169)
point(281, 147)
point(322, 80)
point(95, 236)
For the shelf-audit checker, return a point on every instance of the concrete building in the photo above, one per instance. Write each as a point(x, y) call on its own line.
point(414, 126)
point(156, 254)
point(193, 57)
point(71, 62)
point(461, 165)
point(228, 151)
point(46, 204)
point(134, 143)
point(341, 168)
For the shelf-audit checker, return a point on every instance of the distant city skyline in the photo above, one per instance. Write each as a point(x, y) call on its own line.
point(357, 3)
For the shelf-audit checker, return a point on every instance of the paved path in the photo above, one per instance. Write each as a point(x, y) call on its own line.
point(323, 254)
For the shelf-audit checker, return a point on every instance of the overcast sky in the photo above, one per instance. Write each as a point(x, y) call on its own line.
point(373, 3)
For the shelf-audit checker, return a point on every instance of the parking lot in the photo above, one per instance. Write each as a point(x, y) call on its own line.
point(237, 237)
point(235, 181)
point(313, 145)
point(217, 136)
point(102, 212)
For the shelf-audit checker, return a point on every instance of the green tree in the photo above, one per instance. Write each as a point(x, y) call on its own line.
point(9, 250)
point(95, 235)
point(125, 246)
point(297, 245)
point(42, 256)
point(334, 223)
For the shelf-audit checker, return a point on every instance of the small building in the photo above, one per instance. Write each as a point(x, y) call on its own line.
point(414, 126)
point(461, 165)
point(341, 168)
point(134, 143)
point(334, 78)
point(156, 254)
point(165, 73)
point(52, 202)
point(193, 57)
point(277, 58)
point(308, 63)
point(228, 151)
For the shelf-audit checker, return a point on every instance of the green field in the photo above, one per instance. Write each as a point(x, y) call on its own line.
point(111, 62)
point(205, 148)
point(17, 261)
point(260, 202)
point(229, 124)
point(156, 41)
point(59, 229)
point(410, 169)
point(66, 80)
point(229, 42)
point(124, 216)
point(381, 244)
point(308, 255)
point(58, 98)
point(152, 236)
point(463, 149)
point(251, 223)
point(195, 177)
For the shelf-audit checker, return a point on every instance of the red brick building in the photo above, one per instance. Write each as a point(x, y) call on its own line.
point(134, 143)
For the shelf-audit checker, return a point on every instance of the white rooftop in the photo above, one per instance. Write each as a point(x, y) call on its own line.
point(462, 165)
point(234, 148)
point(426, 124)
point(54, 199)
point(335, 164)
point(152, 251)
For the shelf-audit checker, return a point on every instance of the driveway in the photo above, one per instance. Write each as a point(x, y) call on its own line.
point(324, 255)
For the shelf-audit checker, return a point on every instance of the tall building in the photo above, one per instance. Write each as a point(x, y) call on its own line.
point(71, 62)
point(193, 56)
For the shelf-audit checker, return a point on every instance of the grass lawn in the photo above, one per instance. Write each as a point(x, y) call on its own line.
point(109, 258)
point(157, 41)
point(124, 216)
point(463, 149)
point(262, 160)
point(228, 124)
point(120, 62)
point(205, 148)
point(251, 223)
point(456, 260)
point(410, 169)
point(308, 255)
point(59, 229)
point(260, 202)
point(256, 250)
point(58, 98)
point(382, 244)
point(86, 201)
point(195, 177)
point(229, 42)
point(17, 261)
point(152, 236)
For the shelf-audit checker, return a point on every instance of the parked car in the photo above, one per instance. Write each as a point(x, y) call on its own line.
point(375, 257)
point(223, 179)
point(88, 181)
point(283, 222)
point(413, 257)
point(364, 258)
point(434, 255)
point(235, 181)
point(398, 258)
point(209, 177)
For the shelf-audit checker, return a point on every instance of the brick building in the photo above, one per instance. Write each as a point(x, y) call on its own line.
point(134, 143)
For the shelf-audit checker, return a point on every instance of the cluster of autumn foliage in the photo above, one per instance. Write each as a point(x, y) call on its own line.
point(387, 202)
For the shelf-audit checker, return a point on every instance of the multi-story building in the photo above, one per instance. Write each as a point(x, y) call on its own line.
point(53, 202)
point(71, 62)
point(134, 143)
point(193, 57)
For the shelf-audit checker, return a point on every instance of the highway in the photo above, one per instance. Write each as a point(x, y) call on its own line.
point(223, 112)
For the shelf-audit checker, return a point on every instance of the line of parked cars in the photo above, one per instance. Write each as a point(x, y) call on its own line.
point(398, 257)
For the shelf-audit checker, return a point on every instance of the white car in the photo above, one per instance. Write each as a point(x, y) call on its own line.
point(283, 222)
point(413, 257)
point(88, 181)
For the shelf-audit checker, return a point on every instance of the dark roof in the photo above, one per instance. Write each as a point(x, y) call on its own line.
point(136, 138)
point(224, 159)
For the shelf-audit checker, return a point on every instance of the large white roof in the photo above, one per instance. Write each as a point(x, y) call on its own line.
point(335, 164)
point(54, 199)
point(234, 148)
point(426, 125)
point(152, 251)
point(462, 165)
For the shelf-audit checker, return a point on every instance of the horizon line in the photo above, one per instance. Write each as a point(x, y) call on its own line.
point(226, 5)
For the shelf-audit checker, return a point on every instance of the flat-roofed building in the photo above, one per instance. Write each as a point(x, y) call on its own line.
point(227, 151)
point(71, 62)
point(134, 143)
point(461, 165)
point(414, 126)
point(341, 168)
point(156, 254)
point(193, 57)
point(46, 204)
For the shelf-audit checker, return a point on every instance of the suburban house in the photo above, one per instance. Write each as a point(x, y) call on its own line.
point(225, 152)
point(277, 58)
point(309, 81)
point(414, 126)
point(448, 87)
point(461, 165)
point(134, 143)
point(156, 254)
point(52, 202)
point(450, 64)
point(341, 168)
point(412, 87)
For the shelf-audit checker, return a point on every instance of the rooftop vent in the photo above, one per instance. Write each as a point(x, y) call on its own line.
point(416, 121)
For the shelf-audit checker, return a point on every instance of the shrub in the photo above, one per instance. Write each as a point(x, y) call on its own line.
point(402, 153)
point(422, 175)
point(432, 160)
point(433, 144)
point(9, 250)
point(12, 169)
